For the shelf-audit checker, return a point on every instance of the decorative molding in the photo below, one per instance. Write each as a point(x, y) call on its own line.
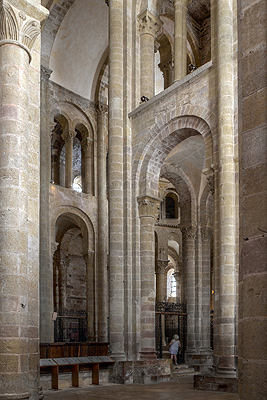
point(17, 28)
point(149, 24)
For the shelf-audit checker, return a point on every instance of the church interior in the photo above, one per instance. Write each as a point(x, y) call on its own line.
point(133, 188)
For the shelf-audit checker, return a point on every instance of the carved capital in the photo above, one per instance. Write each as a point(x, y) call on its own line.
point(149, 206)
point(102, 109)
point(149, 24)
point(17, 28)
point(86, 143)
point(209, 173)
point(68, 135)
point(177, 276)
point(183, 3)
point(161, 266)
point(45, 73)
point(189, 232)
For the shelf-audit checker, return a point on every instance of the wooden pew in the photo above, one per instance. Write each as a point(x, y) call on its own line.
point(93, 362)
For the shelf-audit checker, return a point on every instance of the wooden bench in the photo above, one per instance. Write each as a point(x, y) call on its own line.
point(75, 362)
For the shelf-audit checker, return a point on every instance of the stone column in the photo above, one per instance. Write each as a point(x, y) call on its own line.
point(46, 261)
point(148, 213)
point(161, 280)
point(90, 295)
point(102, 272)
point(115, 178)
point(19, 168)
point(68, 138)
point(189, 238)
point(180, 39)
point(167, 68)
point(224, 335)
point(149, 25)
point(87, 161)
point(206, 235)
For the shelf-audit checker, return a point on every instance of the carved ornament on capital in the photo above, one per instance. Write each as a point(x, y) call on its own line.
point(45, 73)
point(161, 266)
point(68, 135)
point(149, 24)
point(189, 232)
point(86, 143)
point(209, 173)
point(17, 28)
point(149, 207)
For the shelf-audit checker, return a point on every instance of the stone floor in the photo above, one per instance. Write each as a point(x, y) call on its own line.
point(178, 389)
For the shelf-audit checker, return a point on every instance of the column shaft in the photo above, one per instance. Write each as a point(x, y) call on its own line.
point(102, 277)
point(180, 39)
point(68, 137)
point(189, 237)
point(148, 209)
point(206, 288)
point(225, 309)
point(14, 133)
point(46, 266)
point(115, 164)
point(87, 184)
point(149, 26)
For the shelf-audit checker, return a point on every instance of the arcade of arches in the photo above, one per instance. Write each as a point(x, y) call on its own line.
point(133, 188)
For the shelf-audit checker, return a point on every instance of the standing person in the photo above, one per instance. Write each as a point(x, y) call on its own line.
point(174, 348)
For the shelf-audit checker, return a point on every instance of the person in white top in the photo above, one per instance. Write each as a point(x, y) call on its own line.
point(174, 348)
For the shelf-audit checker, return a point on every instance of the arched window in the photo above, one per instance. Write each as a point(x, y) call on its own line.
point(171, 284)
point(171, 206)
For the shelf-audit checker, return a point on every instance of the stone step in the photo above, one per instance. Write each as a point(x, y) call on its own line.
point(182, 370)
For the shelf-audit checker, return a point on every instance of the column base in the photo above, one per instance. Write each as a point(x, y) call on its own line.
point(142, 372)
point(214, 382)
point(148, 355)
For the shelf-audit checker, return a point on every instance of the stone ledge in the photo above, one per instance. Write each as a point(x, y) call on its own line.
point(215, 383)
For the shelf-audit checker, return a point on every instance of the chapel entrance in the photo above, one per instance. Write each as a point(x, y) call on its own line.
point(171, 319)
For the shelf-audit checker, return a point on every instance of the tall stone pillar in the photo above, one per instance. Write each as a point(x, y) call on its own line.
point(68, 137)
point(225, 306)
point(19, 168)
point(102, 278)
point(90, 295)
point(148, 212)
point(115, 170)
point(189, 238)
point(180, 39)
point(161, 280)
point(46, 262)
point(206, 235)
point(149, 26)
point(87, 161)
